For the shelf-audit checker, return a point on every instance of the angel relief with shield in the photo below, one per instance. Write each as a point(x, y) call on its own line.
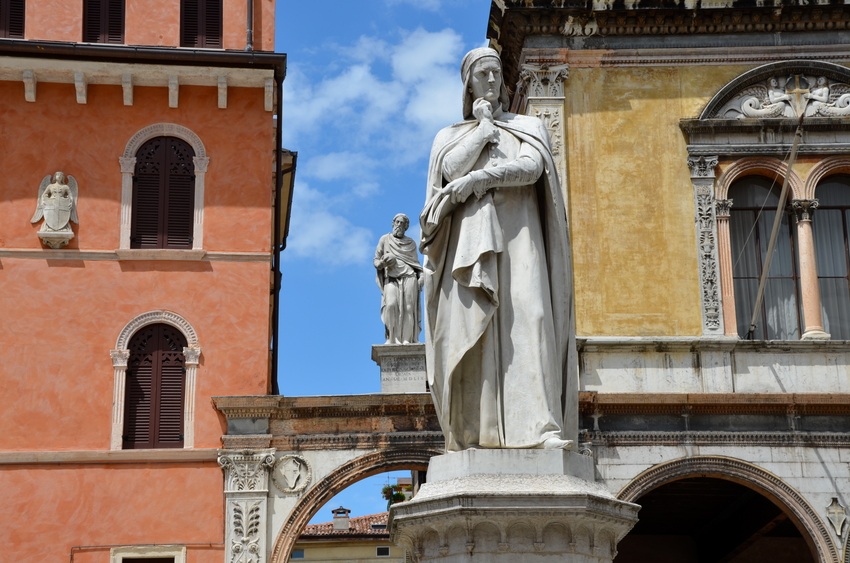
point(57, 205)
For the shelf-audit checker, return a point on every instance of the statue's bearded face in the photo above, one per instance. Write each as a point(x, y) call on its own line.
point(399, 226)
point(486, 80)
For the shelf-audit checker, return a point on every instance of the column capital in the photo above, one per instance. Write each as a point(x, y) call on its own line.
point(702, 166)
point(543, 79)
point(724, 207)
point(119, 358)
point(804, 208)
point(246, 470)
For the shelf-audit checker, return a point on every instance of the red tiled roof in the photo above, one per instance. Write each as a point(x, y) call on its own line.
point(358, 526)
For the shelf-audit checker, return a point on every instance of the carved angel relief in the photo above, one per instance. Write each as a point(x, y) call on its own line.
point(789, 97)
point(57, 205)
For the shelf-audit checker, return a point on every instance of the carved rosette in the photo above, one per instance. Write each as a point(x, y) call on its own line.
point(246, 483)
point(702, 180)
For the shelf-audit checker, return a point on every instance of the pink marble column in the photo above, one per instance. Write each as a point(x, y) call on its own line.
point(809, 289)
point(727, 291)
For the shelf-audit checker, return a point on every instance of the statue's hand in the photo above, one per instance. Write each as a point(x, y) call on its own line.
point(488, 131)
point(482, 110)
point(460, 189)
point(479, 190)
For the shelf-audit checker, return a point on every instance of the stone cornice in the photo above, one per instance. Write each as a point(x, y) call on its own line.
point(150, 255)
point(591, 403)
point(109, 456)
point(764, 439)
point(699, 344)
point(589, 24)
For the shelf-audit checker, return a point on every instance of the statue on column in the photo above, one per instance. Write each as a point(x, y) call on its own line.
point(399, 275)
point(499, 334)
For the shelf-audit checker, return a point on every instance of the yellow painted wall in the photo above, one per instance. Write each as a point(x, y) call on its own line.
point(351, 551)
point(631, 198)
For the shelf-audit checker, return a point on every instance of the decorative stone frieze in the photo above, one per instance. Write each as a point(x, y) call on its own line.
point(702, 180)
point(246, 488)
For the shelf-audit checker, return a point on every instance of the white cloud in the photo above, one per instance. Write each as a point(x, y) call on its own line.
point(325, 236)
point(376, 109)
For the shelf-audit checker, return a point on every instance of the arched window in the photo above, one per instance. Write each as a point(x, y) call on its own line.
point(833, 252)
point(155, 388)
point(163, 194)
point(750, 222)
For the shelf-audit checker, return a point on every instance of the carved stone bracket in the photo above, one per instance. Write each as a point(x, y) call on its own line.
point(246, 487)
point(702, 180)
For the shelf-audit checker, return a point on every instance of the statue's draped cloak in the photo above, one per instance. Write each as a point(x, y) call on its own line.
point(464, 246)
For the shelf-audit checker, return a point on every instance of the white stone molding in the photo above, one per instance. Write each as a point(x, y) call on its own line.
point(127, 88)
point(826, 167)
point(119, 554)
point(702, 181)
point(222, 92)
point(121, 354)
point(29, 85)
point(127, 162)
point(81, 87)
point(173, 91)
point(744, 473)
point(246, 488)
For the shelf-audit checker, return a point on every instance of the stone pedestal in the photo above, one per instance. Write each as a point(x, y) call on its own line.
point(511, 506)
point(402, 367)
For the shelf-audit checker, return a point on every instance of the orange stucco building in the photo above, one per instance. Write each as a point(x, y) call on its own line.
point(140, 282)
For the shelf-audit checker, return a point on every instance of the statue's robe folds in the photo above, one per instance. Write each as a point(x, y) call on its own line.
point(500, 338)
point(399, 283)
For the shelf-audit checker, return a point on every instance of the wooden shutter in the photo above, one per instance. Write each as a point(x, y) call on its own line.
point(163, 195)
point(155, 389)
point(103, 21)
point(200, 23)
point(12, 19)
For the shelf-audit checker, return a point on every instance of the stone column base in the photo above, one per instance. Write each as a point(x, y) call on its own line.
point(402, 367)
point(511, 506)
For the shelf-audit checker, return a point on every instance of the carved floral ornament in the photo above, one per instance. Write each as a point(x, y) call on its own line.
point(784, 91)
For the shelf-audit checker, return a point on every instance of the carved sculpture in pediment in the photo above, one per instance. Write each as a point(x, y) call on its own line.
point(57, 205)
point(789, 97)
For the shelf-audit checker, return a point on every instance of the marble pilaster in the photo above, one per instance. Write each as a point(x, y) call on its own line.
point(246, 489)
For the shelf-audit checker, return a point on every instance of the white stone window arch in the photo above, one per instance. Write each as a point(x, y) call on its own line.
point(121, 354)
point(128, 166)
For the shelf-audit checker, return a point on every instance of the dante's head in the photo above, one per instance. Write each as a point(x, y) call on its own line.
point(478, 59)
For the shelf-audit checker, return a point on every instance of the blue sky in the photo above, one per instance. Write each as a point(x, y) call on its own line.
point(368, 85)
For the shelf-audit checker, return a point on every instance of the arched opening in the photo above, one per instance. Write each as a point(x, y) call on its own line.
point(707, 500)
point(709, 520)
point(338, 480)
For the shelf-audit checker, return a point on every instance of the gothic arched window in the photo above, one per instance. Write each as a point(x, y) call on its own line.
point(750, 222)
point(831, 229)
point(163, 194)
point(155, 388)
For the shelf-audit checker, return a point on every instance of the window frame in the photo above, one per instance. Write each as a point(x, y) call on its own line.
point(204, 27)
point(127, 162)
point(120, 358)
point(124, 553)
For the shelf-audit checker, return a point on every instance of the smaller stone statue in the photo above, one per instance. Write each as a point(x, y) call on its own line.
point(57, 204)
point(399, 276)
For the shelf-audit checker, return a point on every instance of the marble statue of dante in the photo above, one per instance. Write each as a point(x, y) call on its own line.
point(399, 276)
point(499, 322)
